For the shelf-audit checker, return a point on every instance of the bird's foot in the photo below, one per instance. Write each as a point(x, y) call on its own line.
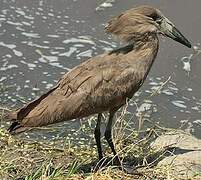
point(118, 163)
point(100, 164)
point(105, 162)
point(130, 170)
point(126, 168)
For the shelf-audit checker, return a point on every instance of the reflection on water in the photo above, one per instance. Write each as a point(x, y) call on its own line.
point(41, 41)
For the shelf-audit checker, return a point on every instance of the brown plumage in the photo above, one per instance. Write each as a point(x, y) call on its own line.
point(103, 83)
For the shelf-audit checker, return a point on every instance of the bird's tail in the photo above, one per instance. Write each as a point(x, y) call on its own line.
point(19, 117)
point(15, 126)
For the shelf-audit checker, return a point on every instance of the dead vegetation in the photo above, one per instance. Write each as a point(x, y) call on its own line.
point(30, 160)
point(25, 159)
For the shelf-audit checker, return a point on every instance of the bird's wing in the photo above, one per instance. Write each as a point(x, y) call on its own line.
point(99, 84)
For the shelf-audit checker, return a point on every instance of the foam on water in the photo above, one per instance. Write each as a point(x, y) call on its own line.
point(80, 39)
point(31, 35)
point(87, 53)
point(105, 4)
point(180, 104)
point(69, 53)
point(10, 46)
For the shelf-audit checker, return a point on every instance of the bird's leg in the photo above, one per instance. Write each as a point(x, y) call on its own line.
point(97, 134)
point(108, 136)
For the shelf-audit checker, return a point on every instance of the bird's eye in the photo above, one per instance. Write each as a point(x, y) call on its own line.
point(156, 17)
point(158, 21)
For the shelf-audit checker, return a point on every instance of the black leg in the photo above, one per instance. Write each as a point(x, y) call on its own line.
point(108, 136)
point(97, 134)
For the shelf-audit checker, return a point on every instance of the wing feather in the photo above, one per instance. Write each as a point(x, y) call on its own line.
point(98, 85)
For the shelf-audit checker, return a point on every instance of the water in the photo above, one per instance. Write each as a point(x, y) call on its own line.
point(41, 40)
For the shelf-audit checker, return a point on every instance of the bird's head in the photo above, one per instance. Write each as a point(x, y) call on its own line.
point(137, 22)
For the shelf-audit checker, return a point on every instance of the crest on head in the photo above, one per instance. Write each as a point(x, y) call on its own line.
point(137, 22)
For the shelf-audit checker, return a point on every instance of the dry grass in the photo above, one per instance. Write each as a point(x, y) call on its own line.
point(20, 159)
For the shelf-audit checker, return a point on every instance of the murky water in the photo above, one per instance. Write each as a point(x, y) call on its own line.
point(41, 40)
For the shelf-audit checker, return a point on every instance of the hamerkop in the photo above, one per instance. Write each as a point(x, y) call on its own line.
point(105, 82)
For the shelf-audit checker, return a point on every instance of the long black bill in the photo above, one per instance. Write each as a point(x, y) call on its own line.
point(172, 32)
point(177, 36)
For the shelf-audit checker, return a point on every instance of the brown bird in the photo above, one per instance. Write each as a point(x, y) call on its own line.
point(105, 82)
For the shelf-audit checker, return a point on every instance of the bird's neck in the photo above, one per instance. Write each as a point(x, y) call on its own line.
point(145, 42)
point(146, 48)
point(144, 53)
